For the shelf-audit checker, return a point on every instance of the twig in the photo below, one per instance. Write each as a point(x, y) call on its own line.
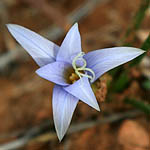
point(38, 131)
point(85, 10)
point(108, 119)
point(33, 132)
point(50, 12)
point(53, 33)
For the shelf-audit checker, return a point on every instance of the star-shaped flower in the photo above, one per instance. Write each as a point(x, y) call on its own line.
point(70, 69)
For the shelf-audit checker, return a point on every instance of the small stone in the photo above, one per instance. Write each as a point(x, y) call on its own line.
point(132, 136)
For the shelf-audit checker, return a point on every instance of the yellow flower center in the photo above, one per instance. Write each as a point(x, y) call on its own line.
point(73, 77)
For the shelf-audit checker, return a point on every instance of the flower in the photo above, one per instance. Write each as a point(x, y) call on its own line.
point(70, 69)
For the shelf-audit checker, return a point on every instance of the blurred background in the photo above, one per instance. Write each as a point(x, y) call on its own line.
point(26, 121)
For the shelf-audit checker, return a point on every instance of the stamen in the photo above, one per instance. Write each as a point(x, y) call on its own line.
point(83, 67)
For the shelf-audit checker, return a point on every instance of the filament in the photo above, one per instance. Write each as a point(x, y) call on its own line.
point(83, 67)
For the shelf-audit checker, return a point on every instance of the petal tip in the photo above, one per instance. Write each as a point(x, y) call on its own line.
point(76, 24)
point(37, 71)
point(10, 26)
point(140, 50)
point(60, 137)
point(7, 25)
point(97, 107)
point(60, 133)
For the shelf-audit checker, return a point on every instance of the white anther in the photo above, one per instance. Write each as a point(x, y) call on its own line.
point(83, 67)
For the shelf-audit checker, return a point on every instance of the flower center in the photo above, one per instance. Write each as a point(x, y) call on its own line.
point(73, 77)
point(82, 70)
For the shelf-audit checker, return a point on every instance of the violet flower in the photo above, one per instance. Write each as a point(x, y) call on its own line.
point(70, 69)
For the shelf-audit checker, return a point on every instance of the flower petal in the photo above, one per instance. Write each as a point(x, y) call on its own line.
point(82, 90)
point(64, 105)
point(55, 72)
point(101, 61)
point(71, 45)
point(42, 50)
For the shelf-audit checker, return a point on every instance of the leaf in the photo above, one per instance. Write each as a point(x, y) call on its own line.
point(146, 84)
point(138, 17)
point(121, 83)
point(139, 105)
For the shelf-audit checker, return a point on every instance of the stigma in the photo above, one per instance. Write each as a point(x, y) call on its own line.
point(82, 71)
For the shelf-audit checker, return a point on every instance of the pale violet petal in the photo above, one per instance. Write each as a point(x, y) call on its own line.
point(42, 50)
point(70, 46)
point(64, 105)
point(82, 90)
point(103, 60)
point(55, 72)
